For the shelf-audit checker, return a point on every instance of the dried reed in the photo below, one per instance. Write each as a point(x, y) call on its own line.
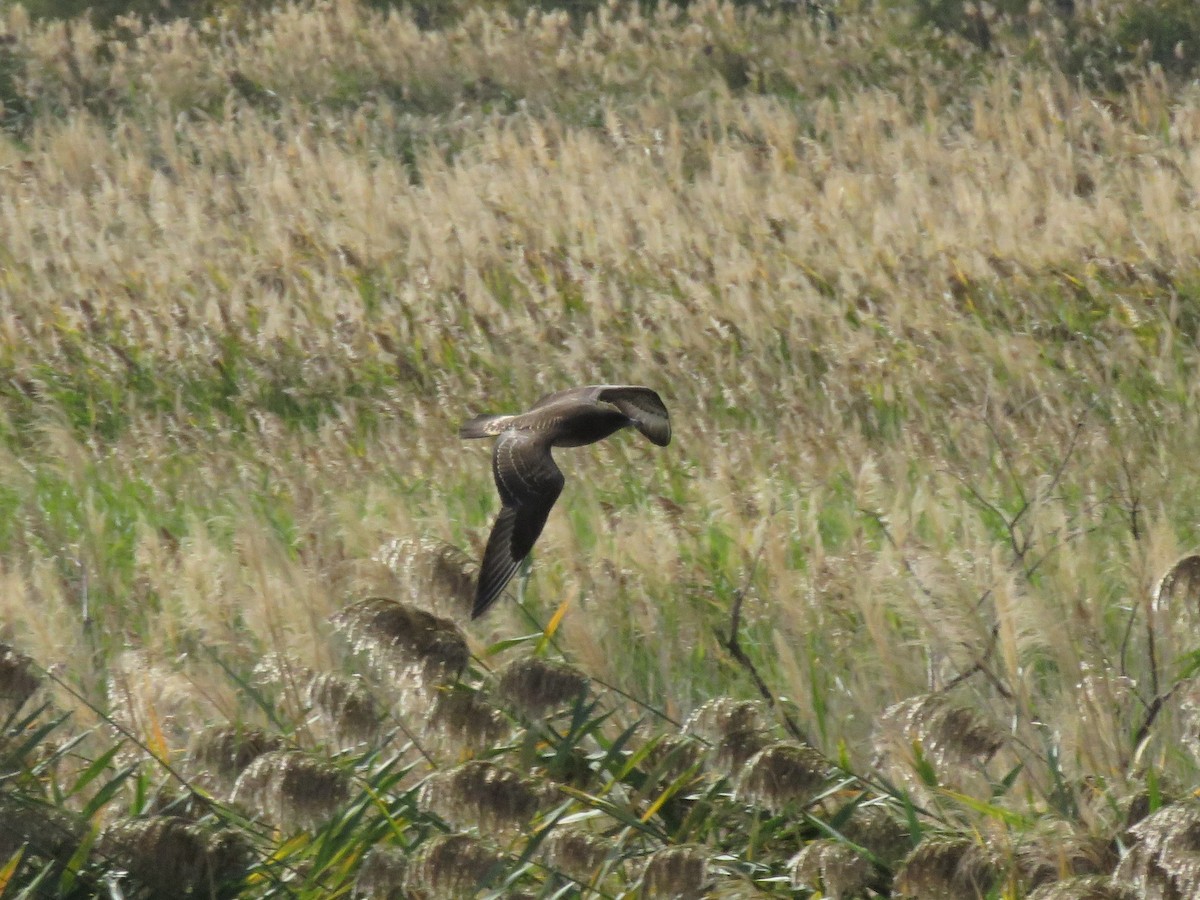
point(536, 686)
point(291, 789)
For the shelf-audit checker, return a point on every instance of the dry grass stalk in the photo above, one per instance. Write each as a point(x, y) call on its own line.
point(782, 774)
point(536, 686)
point(18, 681)
point(577, 853)
point(381, 874)
point(405, 642)
point(946, 867)
point(450, 867)
point(831, 868)
point(1087, 887)
point(220, 752)
point(155, 701)
point(1164, 864)
point(485, 795)
point(345, 707)
point(291, 789)
point(676, 872)
point(461, 716)
point(166, 856)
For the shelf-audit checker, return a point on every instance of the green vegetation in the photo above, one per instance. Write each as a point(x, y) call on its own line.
point(907, 608)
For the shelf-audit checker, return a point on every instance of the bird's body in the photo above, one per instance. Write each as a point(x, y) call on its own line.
point(528, 480)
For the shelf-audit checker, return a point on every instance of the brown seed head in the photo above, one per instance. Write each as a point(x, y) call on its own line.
point(18, 680)
point(874, 828)
point(381, 875)
point(783, 773)
point(460, 715)
point(945, 867)
point(952, 737)
point(1178, 592)
point(674, 754)
point(577, 853)
point(436, 573)
point(736, 727)
point(483, 794)
point(723, 716)
point(1088, 887)
point(676, 872)
point(1054, 848)
point(831, 868)
point(452, 866)
point(291, 788)
point(223, 751)
point(169, 857)
point(46, 831)
point(345, 706)
point(449, 573)
point(403, 641)
point(537, 686)
point(1166, 860)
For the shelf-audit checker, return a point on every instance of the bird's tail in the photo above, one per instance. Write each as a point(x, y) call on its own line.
point(483, 426)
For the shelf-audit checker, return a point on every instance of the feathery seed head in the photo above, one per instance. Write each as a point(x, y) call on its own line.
point(381, 875)
point(449, 573)
point(18, 680)
point(1055, 847)
point(168, 856)
point(289, 788)
point(537, 686)
point(223, 751)
point(1087, 887)
point(345, 706)
point(460, 715)
point(877, 830)
point(781, 774)
point(46, 830)
point(451, 866)
point(674, 754)
point(677, 872)
point(952, 737)
point(1166, 860)
point(945, 867)
point(831, 868)
point(1178, 591)
point(403, 641)
point(723, 716)
point(436, 573)
point(577, 853)
point(483, 794)
point(735, 726)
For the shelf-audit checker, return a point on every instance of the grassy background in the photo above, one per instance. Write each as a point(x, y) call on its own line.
point(921, 297)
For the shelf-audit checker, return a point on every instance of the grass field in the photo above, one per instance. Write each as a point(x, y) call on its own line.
point(924, 309)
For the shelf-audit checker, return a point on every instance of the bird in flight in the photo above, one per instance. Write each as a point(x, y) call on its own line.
point(526, 476)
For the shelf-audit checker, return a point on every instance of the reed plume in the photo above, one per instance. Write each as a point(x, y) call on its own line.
point(291, 789)
point(536, 686)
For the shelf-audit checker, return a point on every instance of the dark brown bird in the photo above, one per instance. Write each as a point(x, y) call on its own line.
point(526, 476)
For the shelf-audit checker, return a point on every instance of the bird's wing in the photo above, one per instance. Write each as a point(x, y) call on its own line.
point(529, 482)
point(643, 406)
